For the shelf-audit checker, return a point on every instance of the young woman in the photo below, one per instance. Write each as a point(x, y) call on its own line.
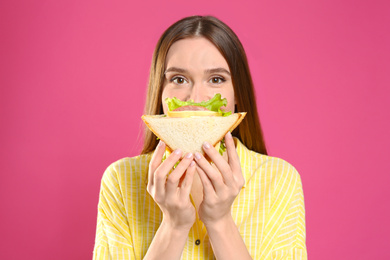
point(245, 205)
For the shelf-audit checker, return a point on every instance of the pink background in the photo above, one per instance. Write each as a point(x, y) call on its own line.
point(73, 77)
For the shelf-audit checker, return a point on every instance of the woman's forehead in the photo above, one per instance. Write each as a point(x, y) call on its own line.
point(192, 53)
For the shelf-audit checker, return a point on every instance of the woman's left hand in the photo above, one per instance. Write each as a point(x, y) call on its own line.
point(222, 182)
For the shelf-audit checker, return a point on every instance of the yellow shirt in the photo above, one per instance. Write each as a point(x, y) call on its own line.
point(269, 211)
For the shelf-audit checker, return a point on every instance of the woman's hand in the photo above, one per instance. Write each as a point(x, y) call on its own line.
point(172, 193)
point(222, 183)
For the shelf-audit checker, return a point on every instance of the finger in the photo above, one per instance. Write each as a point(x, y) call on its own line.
point(156, 160)
point(208, 188)
point(211, 173)
point(161, 173)
point(174, 178)
point(220, 163)
point(233, 159)
point(188, 179)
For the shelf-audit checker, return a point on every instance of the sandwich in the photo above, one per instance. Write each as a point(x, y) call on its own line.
point(187, 125)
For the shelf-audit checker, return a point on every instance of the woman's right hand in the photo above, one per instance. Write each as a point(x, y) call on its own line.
point(172, 193)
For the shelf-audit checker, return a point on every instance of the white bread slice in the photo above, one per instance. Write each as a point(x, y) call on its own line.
point(189, 133)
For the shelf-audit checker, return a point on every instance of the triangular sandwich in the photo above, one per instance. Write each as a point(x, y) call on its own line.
point(188, 133)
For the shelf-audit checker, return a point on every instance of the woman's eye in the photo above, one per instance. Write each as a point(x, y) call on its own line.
point(178, 80)
point(217, 80)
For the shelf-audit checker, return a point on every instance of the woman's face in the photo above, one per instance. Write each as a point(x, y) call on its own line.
point(196, 70)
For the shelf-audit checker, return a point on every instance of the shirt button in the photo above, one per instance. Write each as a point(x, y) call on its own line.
point(197, 242)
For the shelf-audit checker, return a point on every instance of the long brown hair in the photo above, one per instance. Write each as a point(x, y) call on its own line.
point(249, 131)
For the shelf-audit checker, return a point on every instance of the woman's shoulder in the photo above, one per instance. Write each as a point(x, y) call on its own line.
point(276, 163)
point(121, 164)
point(277, 174)
point(260, 162)
point(128, 168)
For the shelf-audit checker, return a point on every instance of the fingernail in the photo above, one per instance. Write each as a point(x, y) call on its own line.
point(192, 163)
point(229, 135)
point(178, 151)
point(197, 156)
point(188, 155)
point(161, 143)
point(206, 145)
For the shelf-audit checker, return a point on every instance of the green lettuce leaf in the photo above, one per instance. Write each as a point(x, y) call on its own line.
point(213, 104)
point(222, 147)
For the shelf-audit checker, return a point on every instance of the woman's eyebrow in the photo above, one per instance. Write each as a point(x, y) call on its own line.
point(217, 70)
point(175, 69)
point(208, 71)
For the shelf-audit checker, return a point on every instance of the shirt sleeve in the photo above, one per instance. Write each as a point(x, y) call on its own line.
point(290, 241)
point(113, 239)
point(285, 226)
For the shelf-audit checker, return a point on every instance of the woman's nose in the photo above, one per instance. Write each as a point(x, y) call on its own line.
point(197, 93)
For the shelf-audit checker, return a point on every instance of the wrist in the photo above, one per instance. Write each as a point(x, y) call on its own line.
point(176, 231)
point(220, 225)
